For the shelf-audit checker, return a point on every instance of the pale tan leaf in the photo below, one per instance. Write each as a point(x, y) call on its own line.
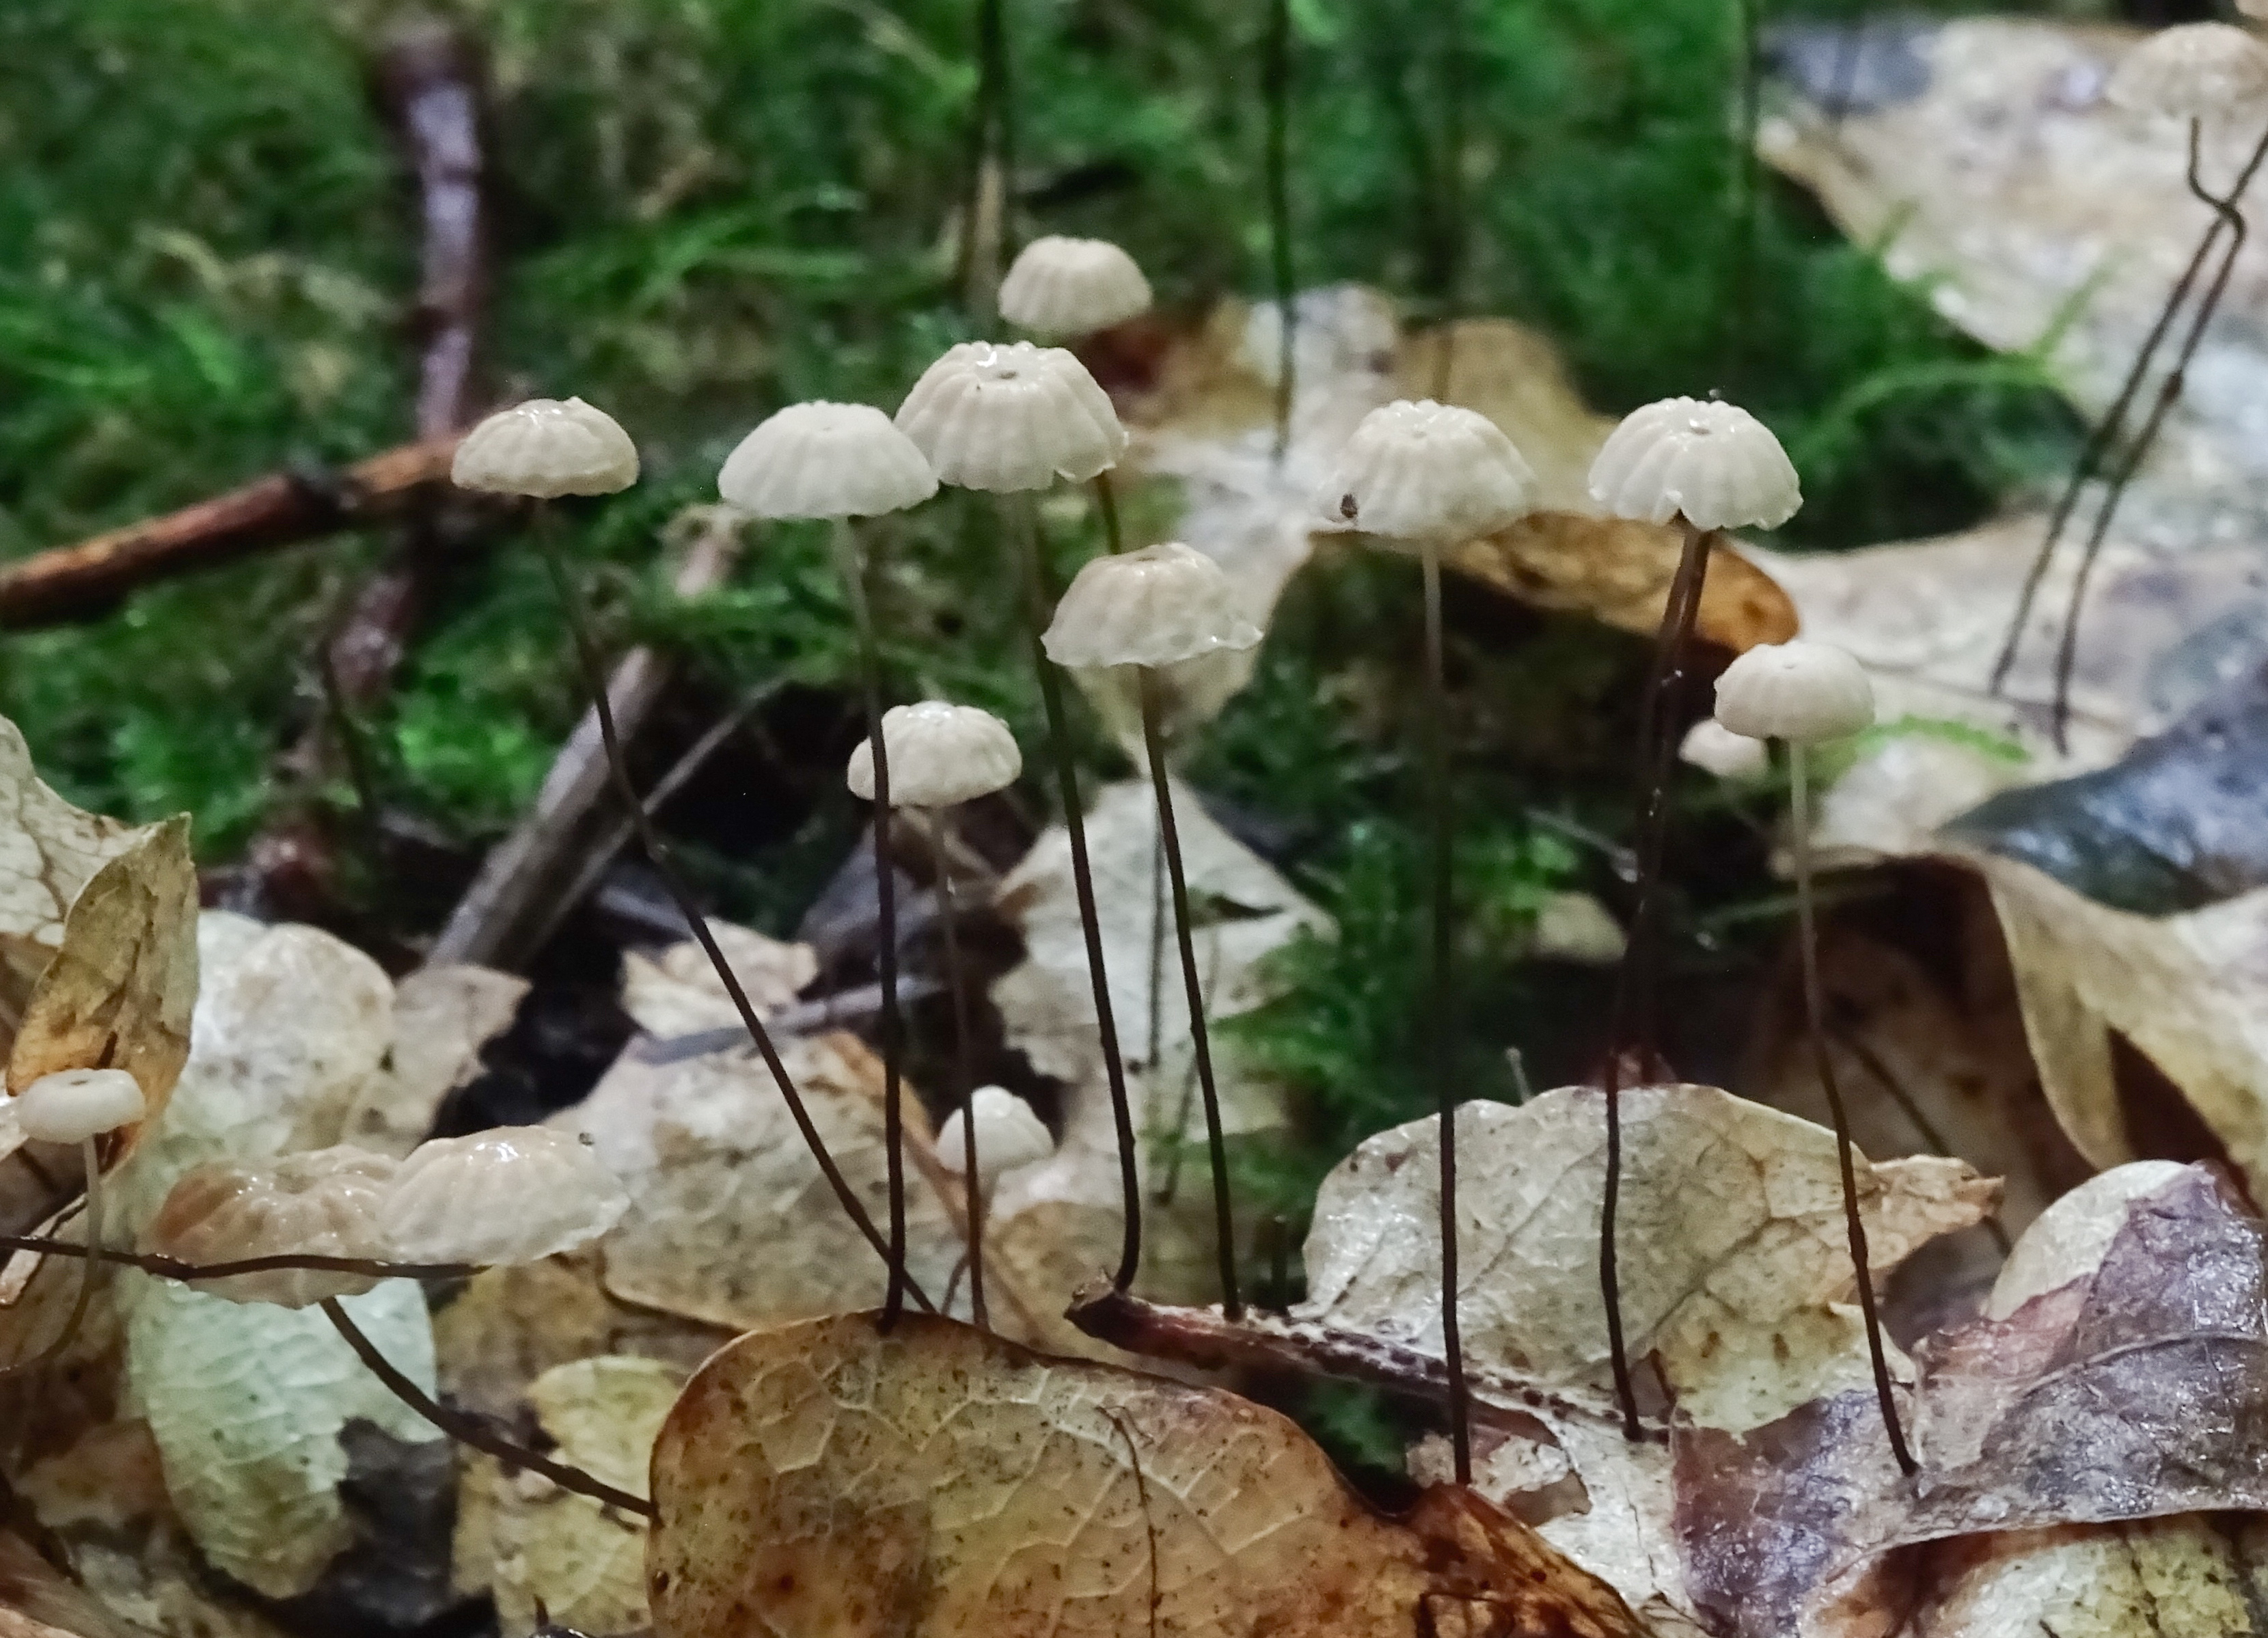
point(1735, 1272)
point(823, 1478)
point(443, 1016)
point(123, 985)
point(583, 1563)
point(679, 992)
point(2189, 1577)
point(49, 850)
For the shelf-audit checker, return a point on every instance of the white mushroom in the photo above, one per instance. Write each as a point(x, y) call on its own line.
point(544, 448)
point(826, 461)
point(1428, 474)
point(514, 1194)
point(320, 1203)
point(1008, 1135)
point(1798, 691)
point(1010, 419)
point(1059, 286)
point(941, 754)
point(1713, 462)
point(1156, 606)
point(72, 1105)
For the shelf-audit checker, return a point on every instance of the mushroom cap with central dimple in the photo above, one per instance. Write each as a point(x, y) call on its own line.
point(1426, 474)
point(544, 448)
point(1013, 417)
point(1158, 606)
point(1712, 462)
point(941, 754)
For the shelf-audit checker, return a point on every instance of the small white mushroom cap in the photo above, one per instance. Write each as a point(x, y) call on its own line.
point(941, 753)
point(1428, 473)
point(1712, 747)
point(513, 1194)
point(1155, 607)
point(2193, 71)
point(72, 1105)
point(546, 447)
point(1712, 462)
point(1008, 1135)
point(1797, 691)
point(320, 1203)
point(2068, 1241)
point(1060, 286)
point(1013, 417)
point(826, 461)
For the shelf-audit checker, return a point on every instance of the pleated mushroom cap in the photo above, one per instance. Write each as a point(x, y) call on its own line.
point(1060, 286)
point(1428, 473)
point(1008, 1135)
point(2193, 71)
point(72, 1105)
point(941, 753)
point(319, 1203)
point(1712, 462)
point(1797, 691)
point(544, 448)
point(1013, 417)
point(513, 1194)
point(826, 461)
point(1155, 607)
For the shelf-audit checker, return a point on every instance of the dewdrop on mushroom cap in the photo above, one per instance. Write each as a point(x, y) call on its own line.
point(513, 1194)
point(1060, 286)
point(545, 448)
point(826, 461)
point(1797, 691)
point(1712, 462)
point(1712, 747)
point(320, 1203)
point(1426, 472)
point(1008, 1135)
point(72, 1105)
point(1013, 417)
point(941, 754)
point(2193, 71)
point(1156, 606)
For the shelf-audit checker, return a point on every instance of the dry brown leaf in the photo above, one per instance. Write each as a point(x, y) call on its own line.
point(49, 850)
point(583, 1563)
point(443, 1016)
point(1059, 1221)
point(679, 992)
point(119, 992)
point(1735, 1272)
point(823, 1478)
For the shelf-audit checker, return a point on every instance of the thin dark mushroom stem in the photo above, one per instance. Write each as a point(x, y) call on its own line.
point(1275, 86)
point(1815, 1012)
point(1106, 502)
point(194, 1273)
point(850, 562)
point(964, 1076)
point(2105, 431)
point(1153, 742)
point(473, 1430)
point(1024, 535)
point(650, 842)
point(2169, 391)
point(1440, 976)
point(1632, 1015)
point(89, 1269)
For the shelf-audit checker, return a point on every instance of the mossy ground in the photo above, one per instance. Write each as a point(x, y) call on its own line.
point(707, 208)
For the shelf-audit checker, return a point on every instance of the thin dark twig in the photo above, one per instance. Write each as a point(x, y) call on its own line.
point(1117, 1418)
point(1815, 1011)
point(1153, 742)
point(1106, 502)
point(473, 1430)
point(2169, 391)
point(1275, 86)
point(851, 561)
point(2105, 432)
point(1634, 983)
point(193, 1273)
point(586, 652)
point(964, 1075)
point(1440, 977)
point(1170, 1138)
point(1023, 528)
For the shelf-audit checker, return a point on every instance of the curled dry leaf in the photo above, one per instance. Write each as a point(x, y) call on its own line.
point(822, 1477)
point(48, 850)
point(582, 1563)
point(246, 1402)
point(1735, 1272)
point(120, 991)
point(679, 992)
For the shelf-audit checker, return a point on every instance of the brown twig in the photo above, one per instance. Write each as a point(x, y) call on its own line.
point(192, 1273)
point(84, 580)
